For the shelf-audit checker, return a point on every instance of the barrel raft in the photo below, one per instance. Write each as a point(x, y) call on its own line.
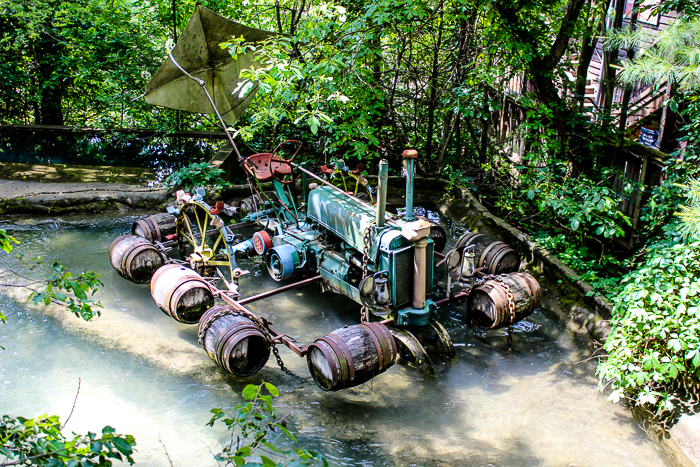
point(181, 293)
point(491, 253)
point(135, 258)
point(487, 304)
point(351, 356)
point(233, 341)
point(155, 228)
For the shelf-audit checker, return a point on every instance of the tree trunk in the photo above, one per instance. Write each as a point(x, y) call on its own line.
point(47, 53)
point(435, 70)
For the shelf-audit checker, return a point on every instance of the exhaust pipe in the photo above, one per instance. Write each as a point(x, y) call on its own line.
point(409, 156)
point(381, 204)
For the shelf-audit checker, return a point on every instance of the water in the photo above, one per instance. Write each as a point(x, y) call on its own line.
point(143, 373)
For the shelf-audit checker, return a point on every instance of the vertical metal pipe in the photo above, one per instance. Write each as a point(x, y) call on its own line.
point(381, 204)
point(409, 155)
point(419, 272)
point(409, 190)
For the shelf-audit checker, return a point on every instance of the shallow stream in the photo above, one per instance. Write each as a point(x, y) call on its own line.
point(143, 373)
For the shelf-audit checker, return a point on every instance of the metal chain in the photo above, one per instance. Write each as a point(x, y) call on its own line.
point(258, 323)
point(365, 260)
point(511, 305)
point(368, 244)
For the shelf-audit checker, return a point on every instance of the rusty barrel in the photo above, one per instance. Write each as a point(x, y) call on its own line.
point(488, 303)
point(181, 293)
point(491, 253)
point(155, 228)
point(351, 355)
point(135, 258)
point(233, 341)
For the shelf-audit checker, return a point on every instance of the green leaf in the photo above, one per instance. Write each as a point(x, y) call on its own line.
point(574, 224)
point(272, 389)
point(531, 194)
point(250, 392)
point(122, 446)
point(313, 123)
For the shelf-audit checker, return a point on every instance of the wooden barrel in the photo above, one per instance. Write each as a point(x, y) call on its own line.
point(155, 228)
point(487, 304)
point(135, 258)
point(351, 356)
point(233, 341)
point(496, 256)
point(181, 293)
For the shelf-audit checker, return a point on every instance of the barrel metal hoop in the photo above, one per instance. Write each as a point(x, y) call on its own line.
point(249, 330)
point(500, 293)
point(223, 341)
point(377, 345)
point(484, 255)
point(341, 349)
point(131, 254)
point(155, 228)
point(500, 253)
point(206, 324)
point(467, 239)
point(178, 283)
point(388, 339)
point(332, 362)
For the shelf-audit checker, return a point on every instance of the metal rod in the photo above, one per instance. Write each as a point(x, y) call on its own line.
point(381, 204)
point(279, 290)
point(211, 101)
point(452, 298)
point(300, 350)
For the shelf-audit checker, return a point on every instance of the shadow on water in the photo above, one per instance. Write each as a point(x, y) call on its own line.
point(536, 405)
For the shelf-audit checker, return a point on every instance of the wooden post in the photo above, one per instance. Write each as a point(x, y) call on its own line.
point(664, 114)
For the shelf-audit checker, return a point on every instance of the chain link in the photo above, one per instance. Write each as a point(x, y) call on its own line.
point(365, 260)
point(259, 323)
point(511, 304)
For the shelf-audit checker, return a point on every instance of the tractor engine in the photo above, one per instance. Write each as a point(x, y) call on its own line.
point(360, 255)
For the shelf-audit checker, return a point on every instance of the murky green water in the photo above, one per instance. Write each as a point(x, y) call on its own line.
point(143, 373)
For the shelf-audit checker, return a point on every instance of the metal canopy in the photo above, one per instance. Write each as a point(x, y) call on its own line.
point(198, 52)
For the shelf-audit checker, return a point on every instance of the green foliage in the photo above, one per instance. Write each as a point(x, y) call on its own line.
point(673, 55)
point(79, 285)
point(580, 205)
point(602, 272)
point(251, 425)
point(654, 348)
point(41, 441)
point(6, 241)
point(78, 63)
point(456, 178)
point(195, 175)
point(690, 212)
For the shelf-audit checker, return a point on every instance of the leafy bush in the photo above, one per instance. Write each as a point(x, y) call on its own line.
point(250, 425)
point(654, 347)
point(196, 175)
point(40, 441)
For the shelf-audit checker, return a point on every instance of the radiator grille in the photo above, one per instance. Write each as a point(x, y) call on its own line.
point(402, 265)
